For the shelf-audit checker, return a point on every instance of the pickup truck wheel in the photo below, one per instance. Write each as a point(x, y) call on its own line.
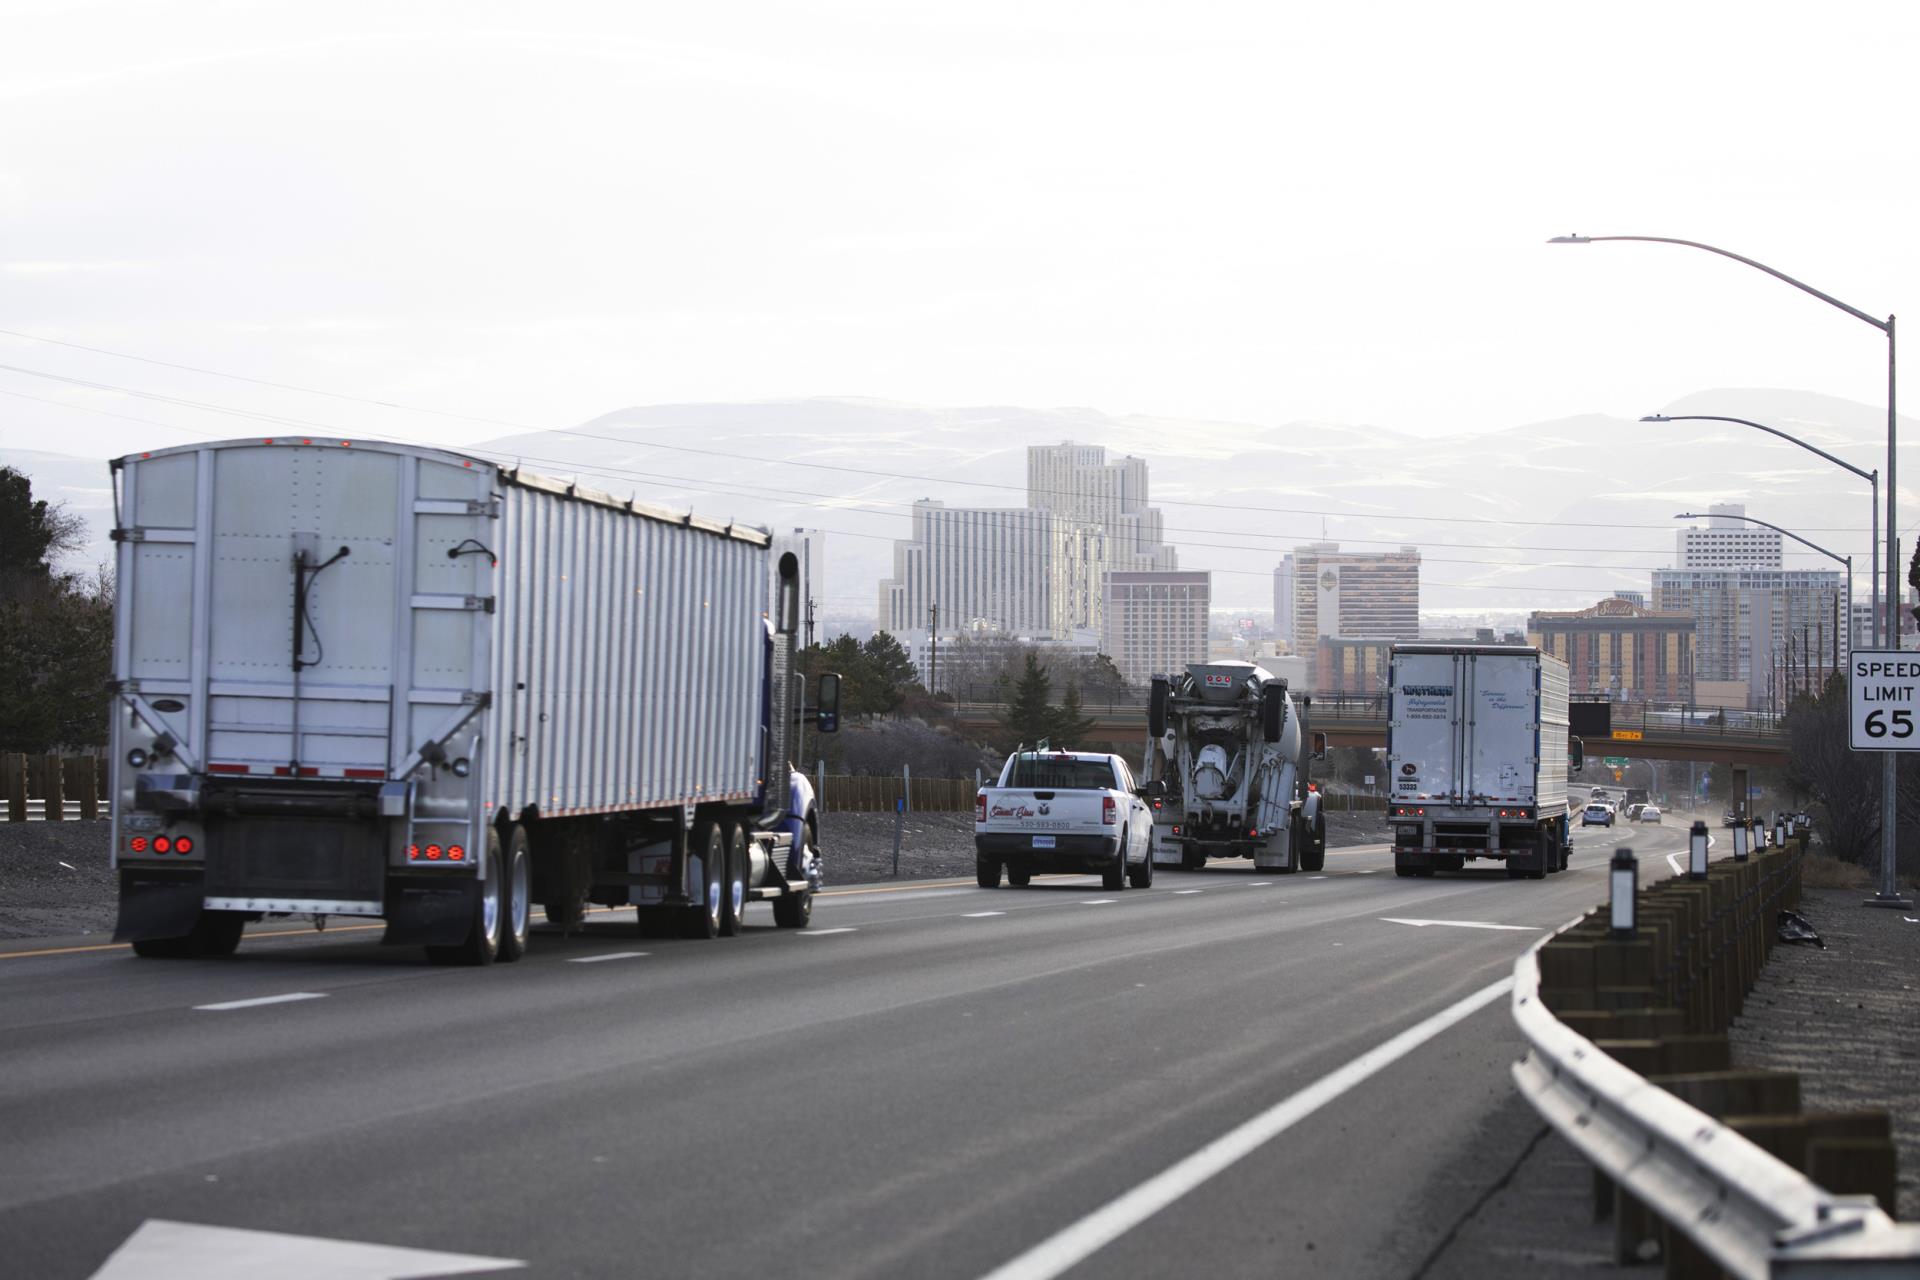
point(516, 890)
point(1141, 877)
point(986, 871)
point(1115, 876)
point(482, 945)
point(1192, 860)
point(733, 904)
point(1019, 877)
point(706, 874)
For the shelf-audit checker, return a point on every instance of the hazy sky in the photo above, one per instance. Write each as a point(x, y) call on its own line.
point(1270, 213)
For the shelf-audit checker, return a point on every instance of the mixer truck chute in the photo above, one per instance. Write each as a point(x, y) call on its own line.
point(1227, 771)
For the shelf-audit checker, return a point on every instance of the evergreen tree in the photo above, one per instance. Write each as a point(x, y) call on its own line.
point(1070, 726)
point(56, 633)
point(1028, 715)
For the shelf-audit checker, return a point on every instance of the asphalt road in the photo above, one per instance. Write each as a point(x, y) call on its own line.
point(933, 1080)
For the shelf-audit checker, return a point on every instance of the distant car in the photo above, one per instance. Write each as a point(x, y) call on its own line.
point(1598, 793)
point(1731, 819)
point(1597, 815)
point(1648, 813)
point(1633, 810)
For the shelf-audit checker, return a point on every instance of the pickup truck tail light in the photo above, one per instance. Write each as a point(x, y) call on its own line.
point(1109, 811)
point(980, 807)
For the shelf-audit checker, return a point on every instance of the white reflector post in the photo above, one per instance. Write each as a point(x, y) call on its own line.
point(1779, 831)
point(1740, 837)
point(1624, 879)
point(1697, 850)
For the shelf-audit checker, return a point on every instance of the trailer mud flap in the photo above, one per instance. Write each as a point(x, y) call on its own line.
point(157, 904)
point(433, 914)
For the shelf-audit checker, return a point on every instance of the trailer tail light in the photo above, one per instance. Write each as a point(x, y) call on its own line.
point(433, 853)
point(1176, 831)
point(162, 845)
point(1253, 833)
point(1312, 787)
point(456, 853)
point(138, 844)
point(183, 845)
point(1109, 812)
point(980, 807)
point(413, 852)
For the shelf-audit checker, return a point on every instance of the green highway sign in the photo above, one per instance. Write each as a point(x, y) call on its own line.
point(1614, 762)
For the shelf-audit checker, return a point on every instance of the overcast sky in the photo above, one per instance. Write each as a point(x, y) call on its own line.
point(1267, 212)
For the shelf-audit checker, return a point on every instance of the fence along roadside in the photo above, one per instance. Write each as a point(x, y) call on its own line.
point(66, 787)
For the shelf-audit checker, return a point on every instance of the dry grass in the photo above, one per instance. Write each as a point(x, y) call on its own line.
point(1820, 871)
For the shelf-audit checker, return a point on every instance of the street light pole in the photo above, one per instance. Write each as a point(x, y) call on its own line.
point(1871, 477)
point(1889, 895)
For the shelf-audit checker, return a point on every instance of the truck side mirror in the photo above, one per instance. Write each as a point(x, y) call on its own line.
point(1319, 746)
point(827, 703)
point(1576, 754)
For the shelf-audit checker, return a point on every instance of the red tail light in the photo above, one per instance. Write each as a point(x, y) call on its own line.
point(138, 844)
point(162, 845)
point(413, 851)
point(433, 853)
point(980, 807)
point(183, 845)
point(1109, 812)
point(456, 853)
point(1312, 787)
point(1253, 834)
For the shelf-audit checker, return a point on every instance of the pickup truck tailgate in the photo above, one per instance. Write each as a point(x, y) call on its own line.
point(1043, 812)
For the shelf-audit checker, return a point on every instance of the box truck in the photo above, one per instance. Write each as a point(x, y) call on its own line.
point(1477, 750)
point(353, 678)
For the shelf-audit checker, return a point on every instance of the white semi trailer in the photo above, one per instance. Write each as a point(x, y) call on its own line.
point(1227, 770)
point(1478, 751)
point(364, 679)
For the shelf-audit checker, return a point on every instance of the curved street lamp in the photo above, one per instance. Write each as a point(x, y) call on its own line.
point(1871, 477)
point(1889, 895)
point(1846, 561)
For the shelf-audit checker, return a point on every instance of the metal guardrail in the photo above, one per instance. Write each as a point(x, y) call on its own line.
point(1754, 1215)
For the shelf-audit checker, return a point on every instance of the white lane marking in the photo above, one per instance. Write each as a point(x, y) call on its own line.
point(982, 915)
point(821, 933)
point(1673, 860)
point(289, 998)
point(1098, 902)
point(162, 1250)
point(1369, 871)
point(611, 955)
point(1074, 1244)
point(1177, 891)
point(1316, 877)
point(1259, 884)
point(1464, 924)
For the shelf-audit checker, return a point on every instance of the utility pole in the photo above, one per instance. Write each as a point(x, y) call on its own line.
point(810, 603)
point(933, 653)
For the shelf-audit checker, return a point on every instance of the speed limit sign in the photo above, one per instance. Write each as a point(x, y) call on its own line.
point(1883, 698)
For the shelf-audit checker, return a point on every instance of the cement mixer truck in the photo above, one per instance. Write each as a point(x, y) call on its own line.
point(1227, 770)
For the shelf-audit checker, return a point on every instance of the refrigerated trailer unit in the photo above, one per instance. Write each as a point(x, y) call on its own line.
point(1477, 751)
point(364, 679)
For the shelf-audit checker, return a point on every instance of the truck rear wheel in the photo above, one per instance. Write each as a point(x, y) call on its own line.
point(654, 922)
point(482, 945)
point(986, 871)
point(733, 903)
point(516, 890)
point(1141, 877)
point(706, 874)
point(214, 933)
point(1115, 876)
point(1019, 877)
point(1192, 859)
point(1313, 856)
point(793, 910)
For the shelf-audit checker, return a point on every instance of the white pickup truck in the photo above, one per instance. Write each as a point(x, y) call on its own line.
point(1063, 811)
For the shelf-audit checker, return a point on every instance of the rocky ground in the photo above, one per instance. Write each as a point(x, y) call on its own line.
point(54, 879)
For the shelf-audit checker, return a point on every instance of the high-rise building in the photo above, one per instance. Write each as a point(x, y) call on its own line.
point(1727, 542)
point(1754, 625)
point(812, 550)
point(977, 567)
point(1156, 622)
point(1283, 577)
point(1349, 665)
point(1077, 482)
point(1354, 594)
point(1620, 649)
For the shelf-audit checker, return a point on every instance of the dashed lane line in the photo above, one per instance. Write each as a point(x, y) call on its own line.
point(611, 955)
point(289, 998)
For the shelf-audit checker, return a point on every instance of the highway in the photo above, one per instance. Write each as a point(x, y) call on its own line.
point(933, 1080)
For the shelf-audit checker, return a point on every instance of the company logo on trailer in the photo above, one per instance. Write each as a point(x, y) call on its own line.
point(1409, 769)
point(1427, 690)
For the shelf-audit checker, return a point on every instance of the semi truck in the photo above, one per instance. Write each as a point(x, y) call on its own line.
point(1227, 770)
point(354, 678)
point(1478, 754)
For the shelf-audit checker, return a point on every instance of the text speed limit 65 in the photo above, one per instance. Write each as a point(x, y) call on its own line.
point(1889, 724)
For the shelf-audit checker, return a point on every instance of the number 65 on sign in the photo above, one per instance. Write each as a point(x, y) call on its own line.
point(1883, 700)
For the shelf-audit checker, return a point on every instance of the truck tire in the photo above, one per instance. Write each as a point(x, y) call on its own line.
point(986, 871)
point(1115, 876)
point(1141, 877)
point(516, 889)
point(733, 891)
point(1018, 877)
point(214, 933)
point(793, 910)
point(1158, 693)
point(1191, 859)
point(706, 876)
point(482, 945)
point(654, 922)
point(1314, 856)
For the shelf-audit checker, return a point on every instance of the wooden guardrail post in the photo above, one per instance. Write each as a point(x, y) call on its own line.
point(55, 790)
point(80, 779)
point(13, 781)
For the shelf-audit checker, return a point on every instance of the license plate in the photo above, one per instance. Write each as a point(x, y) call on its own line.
point(1043, 842)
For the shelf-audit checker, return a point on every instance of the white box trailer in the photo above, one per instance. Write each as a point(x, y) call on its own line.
point(364, 679)
point(1477, 753)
